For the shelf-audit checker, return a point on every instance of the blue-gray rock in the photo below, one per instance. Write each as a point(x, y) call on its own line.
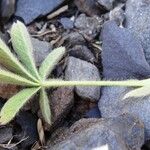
point(93, 113)
point(67, 23)
point(138, 21)
point(29, 10)
point(41, 50)
point(123, 58)
point(78, 69)
point(117, 14)
point(122, 133)
point(122, 54)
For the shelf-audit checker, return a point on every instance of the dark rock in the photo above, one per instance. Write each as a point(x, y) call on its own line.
point(62, 101)
point(93, 113)
point(28, 125)
point(89, 26)
point(5, 134)
point(74, 38)
point(78, 70)
point(67, 23)
point(107, 4)
point(32, 9)
point(138, 21)
point(119, 133)
point(87, 6)
point(121, 47)
point(82, 52)
point(41, 50)
point(7, 9)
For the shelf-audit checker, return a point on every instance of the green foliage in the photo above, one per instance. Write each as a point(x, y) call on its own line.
point(25, 73)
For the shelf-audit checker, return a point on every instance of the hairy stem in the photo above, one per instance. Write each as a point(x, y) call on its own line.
point(58, 83)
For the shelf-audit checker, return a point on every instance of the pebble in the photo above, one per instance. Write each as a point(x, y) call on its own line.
point(41, 50)
point(79, 70)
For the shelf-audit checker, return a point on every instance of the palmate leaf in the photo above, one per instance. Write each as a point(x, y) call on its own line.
point(11, 78)
point(8, 60)
point(13, 105)
point(22, 45)
point(44, 106)
point(50, 62)
point(140, 92)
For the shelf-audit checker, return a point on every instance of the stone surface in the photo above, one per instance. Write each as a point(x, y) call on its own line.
point(87, 6)
point(78, 69)
point(125, 53)
point(118, 15)
point(118, 133)
point(32, 9)
point(82, 52)
point(6, 133)
point(41, 50)
point(89, 26)
point(74, 38)
point(93, 113)
point(138, 21)
point(7, 9)
point(28, 125)
point(67, 23)
point(121, 48)
point(107, 4)
point(62, 101)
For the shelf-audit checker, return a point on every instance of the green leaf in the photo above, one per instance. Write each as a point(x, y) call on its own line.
point(140, 92)
point(22, 45)
point(51, 61)
point(44, 106)
point(14, 104)
point(8, 60)
point(11, 78)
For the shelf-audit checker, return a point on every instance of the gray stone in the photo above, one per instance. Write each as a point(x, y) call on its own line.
point(117, 14)
point(88, 7)
point(111, 104)
point(138, 21)
point(121, 48)
point(7, 9)
point(41, 50)
point(78, 69)
point(5, 134)
point(122, 54)
point(82, 52)
point(74, 38)
point(107, 4)
point(32, 9)
point(122, 133)
point(89, 26)
point(67, 23)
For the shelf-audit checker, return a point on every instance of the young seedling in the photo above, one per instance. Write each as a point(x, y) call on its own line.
point(25, 73)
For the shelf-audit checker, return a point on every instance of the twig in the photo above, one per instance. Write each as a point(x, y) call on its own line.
point(58, 12)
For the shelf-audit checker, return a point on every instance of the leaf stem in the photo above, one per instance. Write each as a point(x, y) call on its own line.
point(58, 83)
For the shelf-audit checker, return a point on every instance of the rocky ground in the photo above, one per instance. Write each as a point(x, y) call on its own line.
point(105, 39)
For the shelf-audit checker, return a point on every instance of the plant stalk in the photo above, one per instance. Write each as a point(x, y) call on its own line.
point(128, 83)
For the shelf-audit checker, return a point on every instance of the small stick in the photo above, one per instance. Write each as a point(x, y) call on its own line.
point(58, 12)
